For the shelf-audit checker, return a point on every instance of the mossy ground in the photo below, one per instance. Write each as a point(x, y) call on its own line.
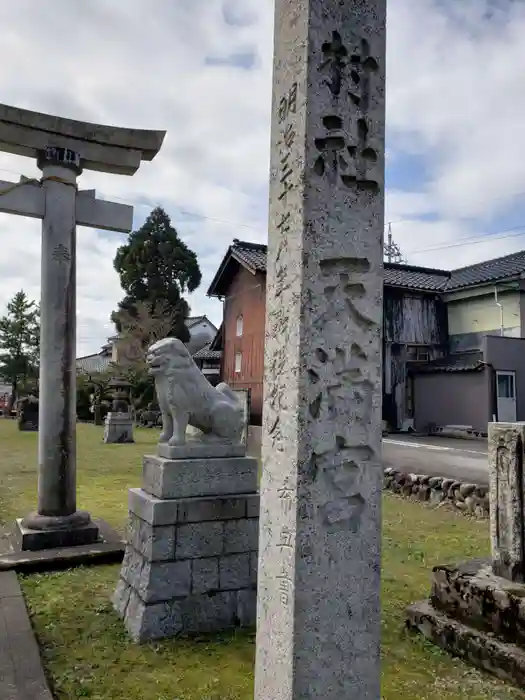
point(88, 655)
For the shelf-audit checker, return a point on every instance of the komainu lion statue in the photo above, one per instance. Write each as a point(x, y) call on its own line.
point(187, 398)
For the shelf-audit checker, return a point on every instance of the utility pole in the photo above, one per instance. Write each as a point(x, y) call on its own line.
point(391, 249)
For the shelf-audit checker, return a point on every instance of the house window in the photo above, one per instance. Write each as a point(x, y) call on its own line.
point(506, 386)
point(418, 353)
point(238, 332)
point(238, 363)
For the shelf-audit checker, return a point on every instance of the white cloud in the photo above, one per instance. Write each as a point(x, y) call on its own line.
point(456, 93)
point(455, 98)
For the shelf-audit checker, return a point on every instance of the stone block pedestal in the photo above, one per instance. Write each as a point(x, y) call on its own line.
point(477, 610)
point(476, 615)
point(37, 532)
point(190, 564)
point(118, 428)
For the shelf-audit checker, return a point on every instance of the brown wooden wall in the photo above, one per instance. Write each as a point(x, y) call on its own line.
point(246, 298)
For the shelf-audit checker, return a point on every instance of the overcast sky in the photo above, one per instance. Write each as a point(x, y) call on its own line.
point(201, 69)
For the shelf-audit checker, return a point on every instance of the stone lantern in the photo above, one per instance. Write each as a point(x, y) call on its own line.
point(118, 425)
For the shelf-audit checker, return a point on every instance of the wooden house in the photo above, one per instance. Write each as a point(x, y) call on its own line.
point(415, 326)
point(452, 340)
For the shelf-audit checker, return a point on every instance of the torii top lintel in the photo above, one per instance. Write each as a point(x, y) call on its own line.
point(107, 149)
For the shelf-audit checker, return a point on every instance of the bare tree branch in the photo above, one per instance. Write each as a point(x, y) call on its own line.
point(142, 328)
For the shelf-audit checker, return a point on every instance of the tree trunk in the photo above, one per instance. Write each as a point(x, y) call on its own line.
point(12, 399)
point(97, 414)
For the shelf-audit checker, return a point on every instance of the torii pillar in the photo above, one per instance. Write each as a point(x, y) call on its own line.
point(63, 148)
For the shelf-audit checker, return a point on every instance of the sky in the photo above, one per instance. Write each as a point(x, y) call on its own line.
point(201, 70)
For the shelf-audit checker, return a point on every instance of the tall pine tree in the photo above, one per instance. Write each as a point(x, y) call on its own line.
point(19, 342)
point(156, 267)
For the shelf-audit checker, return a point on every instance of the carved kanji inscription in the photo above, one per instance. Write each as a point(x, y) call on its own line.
point(61, 253)
point(288, 104)
point(343, 161)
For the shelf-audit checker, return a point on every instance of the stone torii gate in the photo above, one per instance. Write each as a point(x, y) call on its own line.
point(63, 148)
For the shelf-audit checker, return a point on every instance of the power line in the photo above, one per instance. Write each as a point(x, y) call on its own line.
point(474, 240)
point(185, 212)
point(471, 240)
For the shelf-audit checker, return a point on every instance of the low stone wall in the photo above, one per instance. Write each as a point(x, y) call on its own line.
point(469, 498)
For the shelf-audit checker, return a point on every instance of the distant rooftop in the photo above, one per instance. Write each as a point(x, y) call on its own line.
point(93, 364)
point(206, 353)
point(508, 266)
point(253, 257)
point(193, 320)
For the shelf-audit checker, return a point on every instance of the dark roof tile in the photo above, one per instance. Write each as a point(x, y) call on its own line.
point(253, 255)
point(488, 271)
point(424, 279)
point(206, 354)
point(417, 278)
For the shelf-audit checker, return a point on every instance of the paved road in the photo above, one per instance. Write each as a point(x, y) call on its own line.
point(464, 460)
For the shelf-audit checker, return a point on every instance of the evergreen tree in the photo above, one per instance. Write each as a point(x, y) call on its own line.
point(19, 342)
point(156, 267)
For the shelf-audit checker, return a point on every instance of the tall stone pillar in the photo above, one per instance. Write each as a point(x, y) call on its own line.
point(57, 521)
point(319, 564)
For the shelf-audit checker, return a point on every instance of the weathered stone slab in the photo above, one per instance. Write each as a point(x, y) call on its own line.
point(212, 612)
point(481, 649)
point(155, 542)
point(198, 449)
point(473, 594)
point(241, 535)
point(318, 626)
point(148, 622)
point(118, 428)
point(205, 575)
point(156, 581)
point(234, 571)
point(196, 540)
point(35, 540)
point(507, 499)
point(158, 511)
point(186, 478)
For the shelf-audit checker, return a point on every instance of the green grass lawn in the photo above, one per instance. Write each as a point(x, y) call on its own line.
point(88, 655)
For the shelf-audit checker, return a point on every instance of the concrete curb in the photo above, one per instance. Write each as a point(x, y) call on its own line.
point(21, 673)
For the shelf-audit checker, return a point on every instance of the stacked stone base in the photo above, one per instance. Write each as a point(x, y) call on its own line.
point(476, 615)
point(118, 428)
point(190, 565)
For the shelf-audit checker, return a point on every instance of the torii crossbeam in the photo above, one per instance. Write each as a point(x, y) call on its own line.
point(63, 148)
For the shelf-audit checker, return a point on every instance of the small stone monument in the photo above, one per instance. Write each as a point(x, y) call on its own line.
point(476, 609)
point(118, 425)
point(118, 428)
point(190, 564)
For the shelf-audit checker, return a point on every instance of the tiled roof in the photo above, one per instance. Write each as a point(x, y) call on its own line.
point(460, 362)
point(488, 271)
point(424, 279)
point(253, 255)
point(435, 369)
point(418, 278)
point(192, 320)
point(91, 364)
point(206, 354)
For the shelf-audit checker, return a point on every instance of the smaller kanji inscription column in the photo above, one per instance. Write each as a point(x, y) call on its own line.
point(318, 627)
